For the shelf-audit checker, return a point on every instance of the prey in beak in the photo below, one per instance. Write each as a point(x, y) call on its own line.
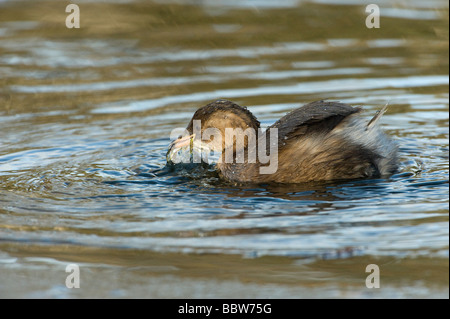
point(181, 150)
point(188, 149)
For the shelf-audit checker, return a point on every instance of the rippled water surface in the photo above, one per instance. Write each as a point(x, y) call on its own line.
point(85, 120)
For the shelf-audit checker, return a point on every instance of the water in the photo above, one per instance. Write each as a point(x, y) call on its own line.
point(86, 115)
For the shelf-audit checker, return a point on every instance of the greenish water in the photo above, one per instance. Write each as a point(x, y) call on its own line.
point(85, 120)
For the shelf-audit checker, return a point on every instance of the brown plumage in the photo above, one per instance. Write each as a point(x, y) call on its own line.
point(318, 141)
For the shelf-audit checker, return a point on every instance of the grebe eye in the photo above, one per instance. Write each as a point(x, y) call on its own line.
point(180, 136)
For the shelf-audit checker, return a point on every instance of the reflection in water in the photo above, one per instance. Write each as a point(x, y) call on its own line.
point(85, 120)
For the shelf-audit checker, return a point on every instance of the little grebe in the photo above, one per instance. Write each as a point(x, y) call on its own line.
point(316, 142)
